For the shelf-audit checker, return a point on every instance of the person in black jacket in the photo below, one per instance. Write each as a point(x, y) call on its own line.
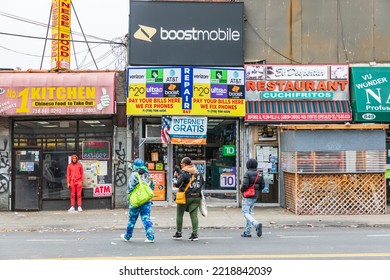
point(193, 197)
point(249, 202)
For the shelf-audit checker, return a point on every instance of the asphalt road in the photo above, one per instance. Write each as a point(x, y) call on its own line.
point(214, 244)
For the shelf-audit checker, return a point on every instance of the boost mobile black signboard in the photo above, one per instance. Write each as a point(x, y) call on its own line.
point(186, 33)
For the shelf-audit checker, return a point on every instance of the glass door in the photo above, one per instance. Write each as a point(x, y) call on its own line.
point(27, 173)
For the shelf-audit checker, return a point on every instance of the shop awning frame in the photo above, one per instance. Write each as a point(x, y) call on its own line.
point(298, 111)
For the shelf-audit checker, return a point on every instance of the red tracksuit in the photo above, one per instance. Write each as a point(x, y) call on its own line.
point(74, 179)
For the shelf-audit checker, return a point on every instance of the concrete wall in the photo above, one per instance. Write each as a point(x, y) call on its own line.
point(5, 164)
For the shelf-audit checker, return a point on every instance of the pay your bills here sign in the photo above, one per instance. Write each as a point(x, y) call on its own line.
point(185, 90)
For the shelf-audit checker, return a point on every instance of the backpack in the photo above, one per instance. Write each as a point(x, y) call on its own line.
point(141, 194)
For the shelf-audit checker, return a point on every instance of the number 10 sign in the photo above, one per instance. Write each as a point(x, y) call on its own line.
point(227, 180)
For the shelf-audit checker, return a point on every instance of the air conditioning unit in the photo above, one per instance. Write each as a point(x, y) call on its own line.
point(153, 131)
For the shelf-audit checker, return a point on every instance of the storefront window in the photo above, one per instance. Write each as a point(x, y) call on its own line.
point(58, 141)
point(217, 159)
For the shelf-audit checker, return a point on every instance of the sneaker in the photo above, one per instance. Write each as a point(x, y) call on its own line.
point(79, 209)
point(194, 237)
point(149, 240)
point(246, 235)
point(259, 229)
point(177, 236)
point(71, 209)
point(124, 238)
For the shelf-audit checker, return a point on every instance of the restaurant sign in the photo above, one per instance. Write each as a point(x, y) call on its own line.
point(296, 82)
point(370, 94)
point(30, 94)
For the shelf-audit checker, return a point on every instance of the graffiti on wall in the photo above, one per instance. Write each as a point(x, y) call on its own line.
point(5, 168)
point(120, 173)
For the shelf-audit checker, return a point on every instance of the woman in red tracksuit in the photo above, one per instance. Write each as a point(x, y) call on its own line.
point(74, 179)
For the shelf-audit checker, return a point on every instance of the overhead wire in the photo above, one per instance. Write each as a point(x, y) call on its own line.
point(96, 40)
point(269, 45)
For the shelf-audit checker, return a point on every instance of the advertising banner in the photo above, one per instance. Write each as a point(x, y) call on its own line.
point(184, 130)
point(186, 33)
point(61, 28)
point(158, 178)
point(31, 94)
point(185, 90)
point(370, 94)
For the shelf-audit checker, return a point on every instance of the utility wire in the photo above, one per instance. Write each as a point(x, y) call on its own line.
point(272, 48)
point(93, 58)
point(47, 25)
point(51, 39)
point(44, 46)
point(115, 43)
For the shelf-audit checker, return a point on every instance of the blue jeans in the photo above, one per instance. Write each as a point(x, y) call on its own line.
point(247, 207)
point(144, 212)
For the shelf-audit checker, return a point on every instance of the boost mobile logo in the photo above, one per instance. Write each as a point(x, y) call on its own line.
point(145, 33)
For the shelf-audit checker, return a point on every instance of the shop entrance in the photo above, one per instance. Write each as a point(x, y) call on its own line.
point(217, 160)
point(156, 159)
point(27, 178)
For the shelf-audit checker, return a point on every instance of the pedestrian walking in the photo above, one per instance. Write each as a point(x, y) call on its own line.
point(188, 175)
point(140, 172)
point(252, 177)
point(74, 180)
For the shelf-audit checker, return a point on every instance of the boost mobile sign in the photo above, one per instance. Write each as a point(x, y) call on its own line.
point(186, 33)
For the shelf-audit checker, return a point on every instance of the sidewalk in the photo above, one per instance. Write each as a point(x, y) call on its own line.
point(164, 217)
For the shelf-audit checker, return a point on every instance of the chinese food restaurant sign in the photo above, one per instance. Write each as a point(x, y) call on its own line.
point(60, 45)
point(186, 90)
point(57, 93)
point(370, 94)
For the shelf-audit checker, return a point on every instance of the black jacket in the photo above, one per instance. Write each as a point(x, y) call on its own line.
point(185, 176)
point(249, 179)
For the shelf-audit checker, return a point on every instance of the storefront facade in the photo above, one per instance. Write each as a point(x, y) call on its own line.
point(47, 118)
point(370, 99)
point(178, 107)
point(289, 94)
point(176, 112)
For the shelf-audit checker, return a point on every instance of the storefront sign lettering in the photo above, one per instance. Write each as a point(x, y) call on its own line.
point(49, 93)
point(371, 92)
point(102, 190)
point(308, 82)
point(186, 90)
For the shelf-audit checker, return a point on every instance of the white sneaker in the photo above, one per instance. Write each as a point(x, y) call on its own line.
point(79, 209)
point(71, 209)
point(124, 239)
point(149, 241)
